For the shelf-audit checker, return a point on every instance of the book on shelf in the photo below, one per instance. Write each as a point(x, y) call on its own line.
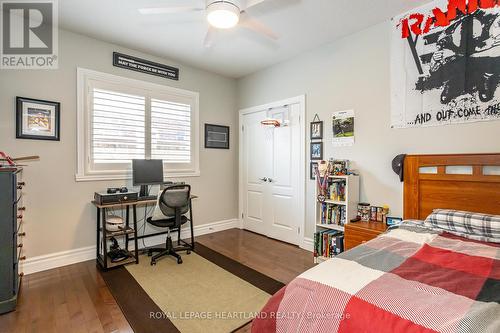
point(336, 190)
point(328, 243)
point(331, 214)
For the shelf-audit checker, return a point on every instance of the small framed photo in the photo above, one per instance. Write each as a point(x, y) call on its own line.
point(316, 151)
point(312, 170)
point(317, 130)
point(37, 119)
point(393, 220)
point(216, 136)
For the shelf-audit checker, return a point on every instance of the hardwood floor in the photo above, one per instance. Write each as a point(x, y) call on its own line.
point(75, 298)
point(281, 261)
point(68, 299)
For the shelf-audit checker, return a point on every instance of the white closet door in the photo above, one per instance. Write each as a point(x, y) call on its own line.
point(283, 184)
point(271, 174)
point(257, 155)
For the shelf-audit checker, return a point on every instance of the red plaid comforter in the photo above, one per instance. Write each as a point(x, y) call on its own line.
point(410, 279)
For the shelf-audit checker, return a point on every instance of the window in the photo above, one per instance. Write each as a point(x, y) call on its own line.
point(118, 127)
point(122, 119)
point(170, 131)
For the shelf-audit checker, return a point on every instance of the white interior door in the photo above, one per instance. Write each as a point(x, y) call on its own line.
point(255, 194)
point(271, 174)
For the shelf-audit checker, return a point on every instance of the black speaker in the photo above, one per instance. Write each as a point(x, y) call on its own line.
point(398, 165)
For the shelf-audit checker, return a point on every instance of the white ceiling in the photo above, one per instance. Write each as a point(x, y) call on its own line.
point(301, 24)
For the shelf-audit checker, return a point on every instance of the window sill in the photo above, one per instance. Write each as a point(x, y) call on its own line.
point(170, 174)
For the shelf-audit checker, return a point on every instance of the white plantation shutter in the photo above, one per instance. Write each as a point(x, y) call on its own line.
point(118, 127)
point(121, 119)
point(170, 131)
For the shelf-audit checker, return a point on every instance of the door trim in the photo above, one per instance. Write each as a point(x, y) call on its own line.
point(301, 100)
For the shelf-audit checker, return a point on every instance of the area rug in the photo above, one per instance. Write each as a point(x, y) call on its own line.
point(209, 292)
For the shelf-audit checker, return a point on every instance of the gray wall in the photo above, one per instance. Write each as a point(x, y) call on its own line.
point(349, 73)
point(59, 215)
point(353, 73)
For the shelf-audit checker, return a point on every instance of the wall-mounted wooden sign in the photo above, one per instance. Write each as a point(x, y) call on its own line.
point(144, 66)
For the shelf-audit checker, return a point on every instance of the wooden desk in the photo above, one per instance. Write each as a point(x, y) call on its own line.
point(130, 233)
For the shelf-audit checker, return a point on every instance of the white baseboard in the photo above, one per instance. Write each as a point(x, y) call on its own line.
point(186, 233)
point(64, 258)
point(307, 244)
point(58, 259)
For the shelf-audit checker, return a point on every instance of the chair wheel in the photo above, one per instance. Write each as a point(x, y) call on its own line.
point(153, 262)
point(179, 261)
point(188, 252)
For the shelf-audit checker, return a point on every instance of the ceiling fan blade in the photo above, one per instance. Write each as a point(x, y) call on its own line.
point(210, 37)
point(257, 26)
point(169, 10)
point(251, 3)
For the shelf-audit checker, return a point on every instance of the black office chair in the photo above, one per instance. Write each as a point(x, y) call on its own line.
point(174, 204)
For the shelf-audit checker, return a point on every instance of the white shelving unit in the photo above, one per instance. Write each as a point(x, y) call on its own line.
point(351, 204)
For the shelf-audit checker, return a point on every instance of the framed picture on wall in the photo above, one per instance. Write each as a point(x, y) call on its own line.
point(317, 130)
point(312, 170)
point(216, 136)
point(316, 151)
point(37, 119)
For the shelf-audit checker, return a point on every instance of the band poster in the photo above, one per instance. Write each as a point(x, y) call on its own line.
point(445, 64)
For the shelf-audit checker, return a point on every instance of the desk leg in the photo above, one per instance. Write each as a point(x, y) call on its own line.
point(127, 224)
point(104, 247)
point(179, 236)
point(136, 250)
point(98, 240)
point(191, 222)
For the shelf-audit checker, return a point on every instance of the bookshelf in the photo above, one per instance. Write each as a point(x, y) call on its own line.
point(339, 208)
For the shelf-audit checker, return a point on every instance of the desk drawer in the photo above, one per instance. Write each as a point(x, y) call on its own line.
point(355, 237)
point(355, 240)
point(350, 244)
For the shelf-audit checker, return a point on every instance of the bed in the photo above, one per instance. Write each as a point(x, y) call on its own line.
point(437, 272)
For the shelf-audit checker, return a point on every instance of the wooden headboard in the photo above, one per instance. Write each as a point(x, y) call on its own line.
point(474, 191)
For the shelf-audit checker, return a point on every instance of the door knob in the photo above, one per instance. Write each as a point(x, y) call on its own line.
point(263, 179)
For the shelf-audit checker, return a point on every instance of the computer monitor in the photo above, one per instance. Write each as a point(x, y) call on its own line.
point(147, 172)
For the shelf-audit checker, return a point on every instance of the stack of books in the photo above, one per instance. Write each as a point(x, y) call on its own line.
point(331, 214)
point(328, 243)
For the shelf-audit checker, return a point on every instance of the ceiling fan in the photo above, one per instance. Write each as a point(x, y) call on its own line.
point(221, 14)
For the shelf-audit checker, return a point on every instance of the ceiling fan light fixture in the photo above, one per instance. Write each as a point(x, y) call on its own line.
point(223, 15)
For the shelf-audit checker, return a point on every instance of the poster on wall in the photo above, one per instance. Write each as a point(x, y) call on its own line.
point(445, 64)
point(343, 128)
point(145, 66)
